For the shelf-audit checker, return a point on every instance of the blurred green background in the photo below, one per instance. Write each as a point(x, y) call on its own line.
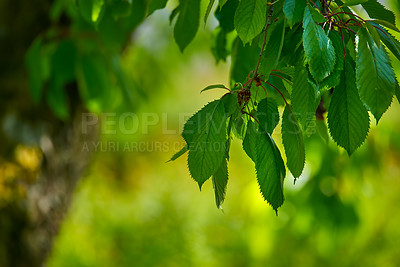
point(134, 209)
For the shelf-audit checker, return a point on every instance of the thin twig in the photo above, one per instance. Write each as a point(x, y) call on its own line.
point(255, 73)
point(284, 99)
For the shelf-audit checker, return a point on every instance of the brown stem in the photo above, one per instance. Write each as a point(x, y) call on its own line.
point(255, 72)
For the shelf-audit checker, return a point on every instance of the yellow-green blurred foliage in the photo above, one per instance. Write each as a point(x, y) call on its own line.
point(133, 209)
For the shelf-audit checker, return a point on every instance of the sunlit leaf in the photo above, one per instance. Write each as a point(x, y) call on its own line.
point(320, 53)
point(220, 181)
point(250, 19)
point(348, 119)
point(205, 134)
point(375, 76)
point(292, 139)
point(267, 114)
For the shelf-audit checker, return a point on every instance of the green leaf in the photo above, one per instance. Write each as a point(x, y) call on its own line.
point(273, 50)
point(120, 8)
point(376, 10)
point(188, 22)
point(348, 119)
point(209, 7)
point(397, 92)
point(218, 46)
point(205, 134)
point(94, 82)
point(57, 98)
point(292, 139)
point(316, 15)
point(375, 77)
point(174, 13)
point(390, 41)
point(156, 4)
point(384, 23)
point(303, 97)
point(374, 34)
point(270, 169)
point(225, 15)
point(214, 86)
point(239, 125)
point(179, 153)
point(322, 129)
point(244, 58)
point(220, 181)
point(222, 3)
point(34, 63)
point(334, 78)
point(91, 10)
point(62, 71)
point(230, 103)
point(123, 82)
point(250, 18)
point(353, 2)
point(318, 48)
point(294, 10)
point(268, 115)
point(64, 60)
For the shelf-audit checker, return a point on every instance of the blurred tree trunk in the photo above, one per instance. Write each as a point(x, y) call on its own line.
point(28, 224)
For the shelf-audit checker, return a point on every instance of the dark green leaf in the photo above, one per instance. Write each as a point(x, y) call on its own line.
point(270, 169)
point(179, 153)
point(316, 15)
point(120, 8)
point(244, 58)
point(94, 82)
point(173, 14)
point(320, 53)
point(268, 115)
point(57, 98)
point(353, 2)
point(292, 139)
point(250, 18)
point(225, 15)
point(156, 4)
point(188, 22)
point(220, 181)
point(214, 86)
point(230, 103)
point(384, 23)
point(373, 33)
point(218, 47)
point(348, 119)
point(222, 3)
point(376, 10)
point(63, 61)
point(273, 50)
point(294, 10)
point(205, 134)
point(34, 63)
point(375, 76)
point(390, 41)
point(239, 125)
point(304, 99)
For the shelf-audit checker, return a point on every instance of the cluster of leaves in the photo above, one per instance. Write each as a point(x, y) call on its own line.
point(309, 57)
point(81, 50)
